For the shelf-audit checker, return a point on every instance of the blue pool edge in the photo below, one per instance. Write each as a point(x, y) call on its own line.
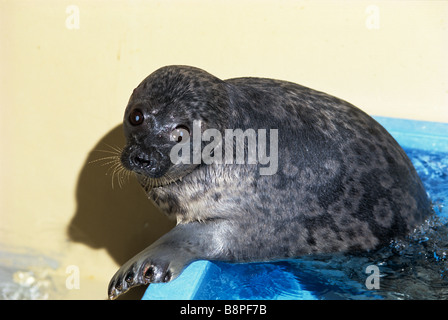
point(184, 287)
point(413, 134)
point(416, 134)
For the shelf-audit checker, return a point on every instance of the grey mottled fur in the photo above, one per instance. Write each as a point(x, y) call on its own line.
point(343, 183)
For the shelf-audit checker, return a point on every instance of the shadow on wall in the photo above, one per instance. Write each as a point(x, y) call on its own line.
point(122, 220)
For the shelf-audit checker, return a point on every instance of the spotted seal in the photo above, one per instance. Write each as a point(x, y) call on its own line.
point(342, 183)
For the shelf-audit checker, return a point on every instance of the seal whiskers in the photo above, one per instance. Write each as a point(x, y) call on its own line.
point(115, 166)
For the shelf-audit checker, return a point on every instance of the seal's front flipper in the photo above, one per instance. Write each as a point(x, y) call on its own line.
point(146, 267)
point(165, 259)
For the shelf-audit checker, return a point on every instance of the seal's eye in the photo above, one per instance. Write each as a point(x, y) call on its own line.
point(180, 134)
point(136, 117)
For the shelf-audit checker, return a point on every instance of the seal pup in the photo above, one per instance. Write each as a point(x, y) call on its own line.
point(342, 183)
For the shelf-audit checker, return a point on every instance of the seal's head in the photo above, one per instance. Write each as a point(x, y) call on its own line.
point(160, 113)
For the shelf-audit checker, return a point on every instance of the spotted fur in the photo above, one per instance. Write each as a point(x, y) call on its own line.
point(343, 183)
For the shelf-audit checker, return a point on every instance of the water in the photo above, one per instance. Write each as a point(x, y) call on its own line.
point(414, 268)
point(26, 276)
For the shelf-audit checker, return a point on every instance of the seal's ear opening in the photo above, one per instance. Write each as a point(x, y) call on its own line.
point(120, 219)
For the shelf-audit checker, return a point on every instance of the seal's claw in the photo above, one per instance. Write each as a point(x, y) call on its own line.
point(155, 272)
point(129, 278)
point(112, 290)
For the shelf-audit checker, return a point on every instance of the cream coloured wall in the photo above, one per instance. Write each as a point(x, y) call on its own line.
point(67, 69)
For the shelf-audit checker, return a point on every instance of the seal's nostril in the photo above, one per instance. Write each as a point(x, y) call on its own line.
point(142, 162)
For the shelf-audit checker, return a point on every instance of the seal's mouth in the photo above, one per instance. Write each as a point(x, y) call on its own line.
point(120, 170)
point(149, 183)
point(172, 176)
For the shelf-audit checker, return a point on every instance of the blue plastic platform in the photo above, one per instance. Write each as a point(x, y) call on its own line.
point(190, 284)
point(413, 134)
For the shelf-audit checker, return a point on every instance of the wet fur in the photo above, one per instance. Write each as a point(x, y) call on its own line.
point(343, 183)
